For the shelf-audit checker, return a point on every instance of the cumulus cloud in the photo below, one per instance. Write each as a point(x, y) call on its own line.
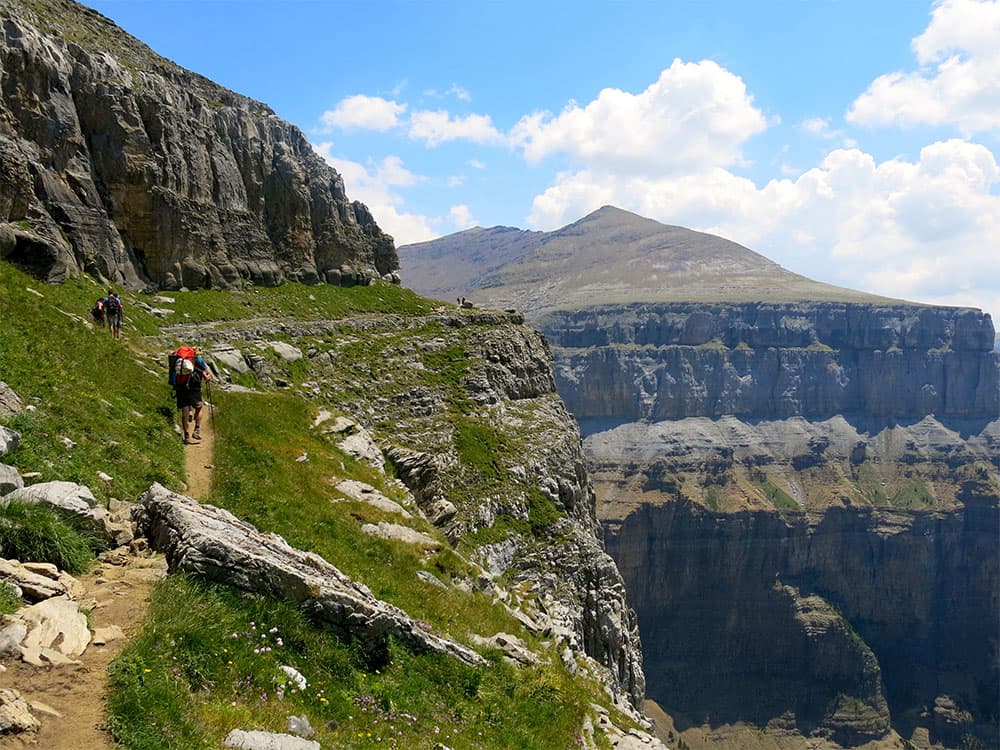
point(461, 217)
point(360, 112)
point(374, 186)
point(695, 115)
point(435, 127)
point(921, 230)
point(958, 82)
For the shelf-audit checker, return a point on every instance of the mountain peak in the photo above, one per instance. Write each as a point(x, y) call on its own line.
point(609, 256)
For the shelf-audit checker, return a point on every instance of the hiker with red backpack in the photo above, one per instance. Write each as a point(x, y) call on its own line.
point(188, 370)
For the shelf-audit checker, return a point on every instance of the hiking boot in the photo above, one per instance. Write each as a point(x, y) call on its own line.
point(187, 438)
point(197, 433)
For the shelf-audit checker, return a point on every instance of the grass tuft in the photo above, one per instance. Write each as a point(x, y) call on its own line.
point(37, 533)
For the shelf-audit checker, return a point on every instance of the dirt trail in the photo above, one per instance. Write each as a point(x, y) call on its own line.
point(198, 459)
point(78, 693)
point(119, 594)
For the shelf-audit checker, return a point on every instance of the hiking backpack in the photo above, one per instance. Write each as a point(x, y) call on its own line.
point(175, 363)
point(113, 305)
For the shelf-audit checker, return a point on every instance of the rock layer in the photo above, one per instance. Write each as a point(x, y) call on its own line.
point(118, 163)
point(768, 361)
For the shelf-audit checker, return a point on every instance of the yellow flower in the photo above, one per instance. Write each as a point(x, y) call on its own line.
point(147, 670)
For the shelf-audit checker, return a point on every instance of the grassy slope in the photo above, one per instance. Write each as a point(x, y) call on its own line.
point(199, 667)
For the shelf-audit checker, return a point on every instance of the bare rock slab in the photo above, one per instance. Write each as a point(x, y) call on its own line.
point(213, 544)
point(57, 624)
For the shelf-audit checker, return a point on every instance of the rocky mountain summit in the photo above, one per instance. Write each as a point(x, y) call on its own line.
point(118, 163)
point(798, 482)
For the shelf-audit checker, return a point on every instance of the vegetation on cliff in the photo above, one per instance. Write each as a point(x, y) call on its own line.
point(199, 666)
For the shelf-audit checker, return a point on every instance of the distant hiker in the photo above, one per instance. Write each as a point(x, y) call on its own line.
point(114, 309)
point(188, 370)
point(97, 312)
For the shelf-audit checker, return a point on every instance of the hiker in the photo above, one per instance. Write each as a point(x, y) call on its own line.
point(97, 312)
point(188, 370)
point(115, 311)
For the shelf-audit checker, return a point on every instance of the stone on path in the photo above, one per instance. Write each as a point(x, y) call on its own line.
point(244, 740)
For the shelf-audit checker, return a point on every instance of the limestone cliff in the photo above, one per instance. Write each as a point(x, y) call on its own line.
point(120, 164)
point(773, 360)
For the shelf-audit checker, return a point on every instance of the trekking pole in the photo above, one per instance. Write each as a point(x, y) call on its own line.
point(211, 404)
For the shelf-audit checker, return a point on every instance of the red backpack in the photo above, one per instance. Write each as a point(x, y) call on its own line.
point(175, 364)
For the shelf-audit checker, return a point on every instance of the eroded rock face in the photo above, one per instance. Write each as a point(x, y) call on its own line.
point(118, 163)
point(839, 618)
point(770, 361)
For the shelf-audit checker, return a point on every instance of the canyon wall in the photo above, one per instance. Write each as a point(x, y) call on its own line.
point(803, 501)
point(117, 163)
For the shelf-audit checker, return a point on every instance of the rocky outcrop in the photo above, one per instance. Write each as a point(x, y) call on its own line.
point(211, 543)
point(117, 163)
point(463, 405)
point(769, 361)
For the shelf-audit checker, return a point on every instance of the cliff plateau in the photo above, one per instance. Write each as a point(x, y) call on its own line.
point(117, 163)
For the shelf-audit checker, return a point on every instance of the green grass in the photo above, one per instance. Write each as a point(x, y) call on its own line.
point(777, 496)
point(208, 660)
point(9, 600)
point(257, 478)
point(37, 533)
point(85, 387)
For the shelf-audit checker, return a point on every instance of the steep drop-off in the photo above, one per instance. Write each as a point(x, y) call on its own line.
point(798, 482)
point(118, 163)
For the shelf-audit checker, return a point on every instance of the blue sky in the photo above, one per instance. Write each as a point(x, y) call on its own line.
point(854, 142)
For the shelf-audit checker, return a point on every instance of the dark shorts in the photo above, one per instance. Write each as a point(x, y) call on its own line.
point(189, 397)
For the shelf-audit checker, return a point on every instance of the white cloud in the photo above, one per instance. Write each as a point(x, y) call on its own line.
point(360, 112)
point(476, 164)
point(437, 127)
point(456, 181)
point(461, 217)
point(459, 93)
point(923, 230)
point(958, 82)
point(373, 187)
point(695, 116)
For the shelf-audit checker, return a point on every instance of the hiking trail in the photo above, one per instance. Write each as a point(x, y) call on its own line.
point(118, 591)
point(198, 464)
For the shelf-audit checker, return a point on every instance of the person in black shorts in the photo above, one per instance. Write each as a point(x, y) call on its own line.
point(189, 398)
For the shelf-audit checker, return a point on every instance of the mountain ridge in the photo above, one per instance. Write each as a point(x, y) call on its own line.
point(611, 255)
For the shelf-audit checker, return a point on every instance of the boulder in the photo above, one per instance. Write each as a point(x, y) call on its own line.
point(10, 479)
point(9, 440)
point(254, 740)
point(365, 493)
point(287, 352)
point(11, 404)
point(398, 533)
point(232, 358)
point(35, 586)
point(211, 543)
point(56, 624)
point(72, 500)
point(15, 715)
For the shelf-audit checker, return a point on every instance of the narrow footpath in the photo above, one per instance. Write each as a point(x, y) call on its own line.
point(69, 701)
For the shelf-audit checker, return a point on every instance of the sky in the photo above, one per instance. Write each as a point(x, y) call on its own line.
point(854, 142)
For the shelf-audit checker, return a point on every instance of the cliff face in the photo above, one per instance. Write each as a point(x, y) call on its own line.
point(840, 621)
point(464, 405)
point(766, 361)
point(803, 502)
point(117, 163)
